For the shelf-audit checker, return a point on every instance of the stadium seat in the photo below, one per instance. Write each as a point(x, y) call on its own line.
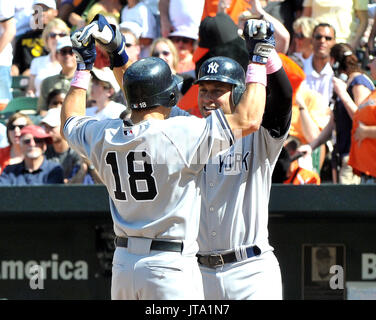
point(27, 104)
point(19, 85)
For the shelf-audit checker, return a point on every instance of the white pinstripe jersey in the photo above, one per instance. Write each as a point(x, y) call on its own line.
point(152, 169)
point(235, 194)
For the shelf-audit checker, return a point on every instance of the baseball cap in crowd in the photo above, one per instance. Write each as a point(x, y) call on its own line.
point(63, 42)
point(48, 3)
point(52, 118)
point(132, 26)
point(187, 31)
point(37, 132)
point(218, 36)
point(105, 74)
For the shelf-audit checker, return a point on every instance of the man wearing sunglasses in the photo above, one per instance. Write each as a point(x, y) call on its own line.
point(35, 169)
point(319, 73)
point(61, 81)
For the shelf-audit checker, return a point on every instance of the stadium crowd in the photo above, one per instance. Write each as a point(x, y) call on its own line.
point(327, 49)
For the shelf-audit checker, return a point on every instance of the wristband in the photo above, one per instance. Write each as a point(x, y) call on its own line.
point(274, 62)
point(119, 58)
point(81, 79)
point(256, 73)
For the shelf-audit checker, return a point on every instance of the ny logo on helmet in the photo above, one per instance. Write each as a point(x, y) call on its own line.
point(212, 67)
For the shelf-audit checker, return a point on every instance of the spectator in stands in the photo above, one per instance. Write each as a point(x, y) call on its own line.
point(74, 12)
point(184, 39)
point(35, 169)
point(358, 87)
point(56, 98)
point(62, 80)
point(30, 44)
point(363, 136)
point(153, 5)
point(85, 174)
point(234, 8)
point(302, 38)
point(296, 174)
point(7, 33)
point(12, 153)
point(23, 13)
point(47, 65)
point(164, 48)
point(319, 73)
point(349, 18)
point(132, 31)
point(103, 88)
point(137, 11)
point(59, 150)
point(180, 15)
point(107, 8)
point(309, 113)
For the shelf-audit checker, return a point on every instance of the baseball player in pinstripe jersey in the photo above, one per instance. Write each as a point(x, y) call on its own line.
point(152, 164)
point(235, 257)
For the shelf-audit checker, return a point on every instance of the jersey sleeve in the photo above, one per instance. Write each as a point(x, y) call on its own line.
point(83, 134)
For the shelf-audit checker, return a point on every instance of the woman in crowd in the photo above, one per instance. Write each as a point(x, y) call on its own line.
point(12, 154)
point(46, 66)
point(358, 87)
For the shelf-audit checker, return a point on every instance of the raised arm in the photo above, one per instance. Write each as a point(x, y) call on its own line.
point(247, 116)
point(83, 41)
point(75, 101)
point(110, 38)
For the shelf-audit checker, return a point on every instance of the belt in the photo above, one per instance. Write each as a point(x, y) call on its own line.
point(155, 244)
point(217, 260)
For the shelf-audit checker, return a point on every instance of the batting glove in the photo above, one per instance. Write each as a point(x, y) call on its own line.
point(109, 38)
point(85, 52)
point(259, 38)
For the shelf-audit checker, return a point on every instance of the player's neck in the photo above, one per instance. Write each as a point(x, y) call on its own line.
point(159, 113)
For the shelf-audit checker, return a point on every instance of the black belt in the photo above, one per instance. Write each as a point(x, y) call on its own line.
point(155, 244)
point(217, 260)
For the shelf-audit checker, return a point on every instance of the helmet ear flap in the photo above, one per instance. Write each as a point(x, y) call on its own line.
point(174, 96)
point(237, 92)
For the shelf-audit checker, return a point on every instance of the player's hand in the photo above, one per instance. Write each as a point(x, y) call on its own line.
point(108, 37)
point(259, 38)
point(85, 52)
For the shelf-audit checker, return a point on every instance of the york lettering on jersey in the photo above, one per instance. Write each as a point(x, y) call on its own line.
point(233, 163)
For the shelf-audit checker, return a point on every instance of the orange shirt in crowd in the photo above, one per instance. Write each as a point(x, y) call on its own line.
point(189, 103)
point(299, 176)
point(234, 11)
point(4, 157)
point(316, 107)
point(363, 156)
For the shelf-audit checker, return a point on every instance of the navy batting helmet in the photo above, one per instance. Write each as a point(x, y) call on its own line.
point(149, 83)
point(224, 69)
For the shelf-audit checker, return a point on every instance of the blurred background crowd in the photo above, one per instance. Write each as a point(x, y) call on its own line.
point(327, 48)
